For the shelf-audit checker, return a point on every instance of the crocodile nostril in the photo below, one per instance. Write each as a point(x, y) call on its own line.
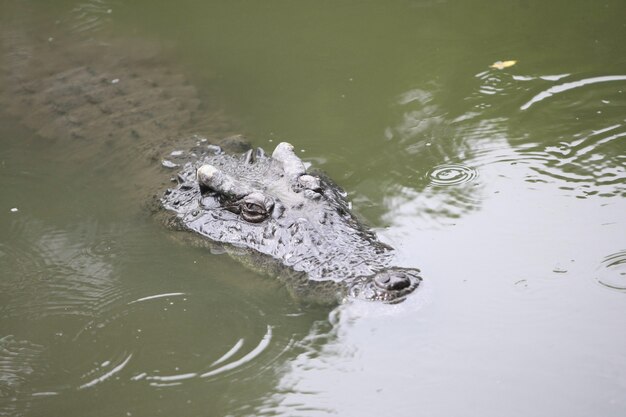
point(392, 281)
point(400, 282)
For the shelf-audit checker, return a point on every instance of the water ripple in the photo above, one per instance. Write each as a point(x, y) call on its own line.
point(556, 145)
point(263, 344)
point(569, 86)
point(108, 374)
point(230, 353)
point(56, 271)
point(589, 164)
point(612, 273)
point(19, 360)
point(91, 16)
point(155, 325)
point(154, 297)
point(451, 174)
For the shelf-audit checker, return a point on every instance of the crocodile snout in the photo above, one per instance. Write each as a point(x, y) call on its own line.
point(391, 285)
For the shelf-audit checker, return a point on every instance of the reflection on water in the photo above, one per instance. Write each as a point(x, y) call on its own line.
point(560, 149)
point(443, 187)
point(504, 186)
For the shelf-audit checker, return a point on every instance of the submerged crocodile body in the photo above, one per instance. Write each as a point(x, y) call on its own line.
point(295, 225)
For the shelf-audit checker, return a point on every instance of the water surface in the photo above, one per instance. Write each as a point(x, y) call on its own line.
point(505, 186)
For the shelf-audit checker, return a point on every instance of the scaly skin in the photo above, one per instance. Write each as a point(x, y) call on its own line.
point(270, 207)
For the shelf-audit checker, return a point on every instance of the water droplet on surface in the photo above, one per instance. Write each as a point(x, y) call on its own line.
point(451, 174)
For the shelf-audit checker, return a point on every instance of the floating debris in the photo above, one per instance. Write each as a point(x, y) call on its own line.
point(14, 210)
point(503, 64)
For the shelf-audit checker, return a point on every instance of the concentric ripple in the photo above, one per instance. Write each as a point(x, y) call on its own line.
point(451, 174)
point(612, 273)
point(570, 86)
point(569, 132)
point(587, 164)
point(55, 272)
point(91, 16)
point(172, 324)
point(19, 361)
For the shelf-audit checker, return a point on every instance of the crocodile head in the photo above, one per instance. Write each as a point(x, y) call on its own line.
point(272, 206)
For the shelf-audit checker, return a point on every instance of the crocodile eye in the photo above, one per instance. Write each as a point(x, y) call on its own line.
point(253, 207)
point(256, 207)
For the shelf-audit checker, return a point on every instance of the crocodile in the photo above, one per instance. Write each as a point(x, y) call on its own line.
point(116, 106)
point(273, 214)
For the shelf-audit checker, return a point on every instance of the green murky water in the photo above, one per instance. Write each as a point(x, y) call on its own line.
point(505, 186)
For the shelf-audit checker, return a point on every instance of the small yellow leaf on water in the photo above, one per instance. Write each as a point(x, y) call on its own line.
point(503, 64)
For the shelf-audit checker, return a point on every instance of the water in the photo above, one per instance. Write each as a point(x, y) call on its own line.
point(505, 186)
